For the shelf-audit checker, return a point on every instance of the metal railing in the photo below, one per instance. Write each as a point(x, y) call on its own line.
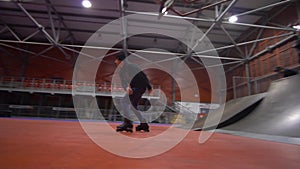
point(245, 86)
point(57, 86)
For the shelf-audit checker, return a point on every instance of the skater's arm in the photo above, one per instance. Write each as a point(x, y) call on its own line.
point(124, 82)
point(146, 81)
point(129, 90)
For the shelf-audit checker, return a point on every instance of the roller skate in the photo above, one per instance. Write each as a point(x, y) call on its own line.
point(125, 127)
point(142, 127)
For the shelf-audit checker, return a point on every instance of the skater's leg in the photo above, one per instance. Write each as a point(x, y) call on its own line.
point(134, 99)
point(127, 124)
point(126, 109)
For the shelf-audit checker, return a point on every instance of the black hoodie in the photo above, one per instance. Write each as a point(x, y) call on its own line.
point(138, 78)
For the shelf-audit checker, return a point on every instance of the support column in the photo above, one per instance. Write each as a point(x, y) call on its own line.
point(248, 78)
point(41, 102)
point(248, 74)
point(174, 82)
point(24, 59)
point(59, 102)
point(234, 87)
point(124, 25)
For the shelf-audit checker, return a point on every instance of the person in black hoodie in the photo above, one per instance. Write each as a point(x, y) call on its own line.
point(135, 82)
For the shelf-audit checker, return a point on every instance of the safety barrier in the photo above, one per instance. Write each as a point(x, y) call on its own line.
point(63, 86)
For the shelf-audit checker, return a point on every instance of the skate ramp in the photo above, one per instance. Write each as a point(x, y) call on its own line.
point(279, 112)
point(234, 110)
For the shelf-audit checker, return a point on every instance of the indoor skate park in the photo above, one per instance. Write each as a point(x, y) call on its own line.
point(224, 76)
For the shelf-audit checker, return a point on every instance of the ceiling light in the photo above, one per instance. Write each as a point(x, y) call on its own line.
point(86, 3)
point(294, 117)
point(164, 10)
point(233, 19)
point(297, 27)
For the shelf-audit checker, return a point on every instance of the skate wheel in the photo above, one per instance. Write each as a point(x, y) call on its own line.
point(143, 130)
point(121, 130)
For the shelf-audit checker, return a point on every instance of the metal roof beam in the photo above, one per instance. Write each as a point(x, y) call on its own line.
point(31, 35)
point(262, 8)
point(242, 55)
point(265, 22)
point(218, 19)
point(42, 29)
point(211, 20)
point(61, 20)
point(195, 6)
point(53, 41)
point(30, 52)
point(272, 47)
point(245, 43)
point(13, 33)
point(6, 27)
point(51, 21)
point(3, 29)
point(198, 53)
point(217, 65)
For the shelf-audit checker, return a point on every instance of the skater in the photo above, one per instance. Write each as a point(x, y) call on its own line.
point(135, 82)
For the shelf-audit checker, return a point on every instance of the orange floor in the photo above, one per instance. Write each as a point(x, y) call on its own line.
point(51, 144)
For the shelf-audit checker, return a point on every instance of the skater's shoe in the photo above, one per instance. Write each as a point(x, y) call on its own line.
point(125, 127)
point(142, 127)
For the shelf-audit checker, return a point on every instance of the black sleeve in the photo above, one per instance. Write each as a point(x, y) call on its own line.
point(143, 79)
point(146, 80)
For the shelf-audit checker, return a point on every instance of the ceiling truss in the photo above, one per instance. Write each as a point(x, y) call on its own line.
point(57, 24)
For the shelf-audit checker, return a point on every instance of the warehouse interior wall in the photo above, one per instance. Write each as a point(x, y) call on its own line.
point(55, 64)
point(263, 65)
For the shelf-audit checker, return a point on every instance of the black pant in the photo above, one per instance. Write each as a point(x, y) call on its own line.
point(134, 100)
